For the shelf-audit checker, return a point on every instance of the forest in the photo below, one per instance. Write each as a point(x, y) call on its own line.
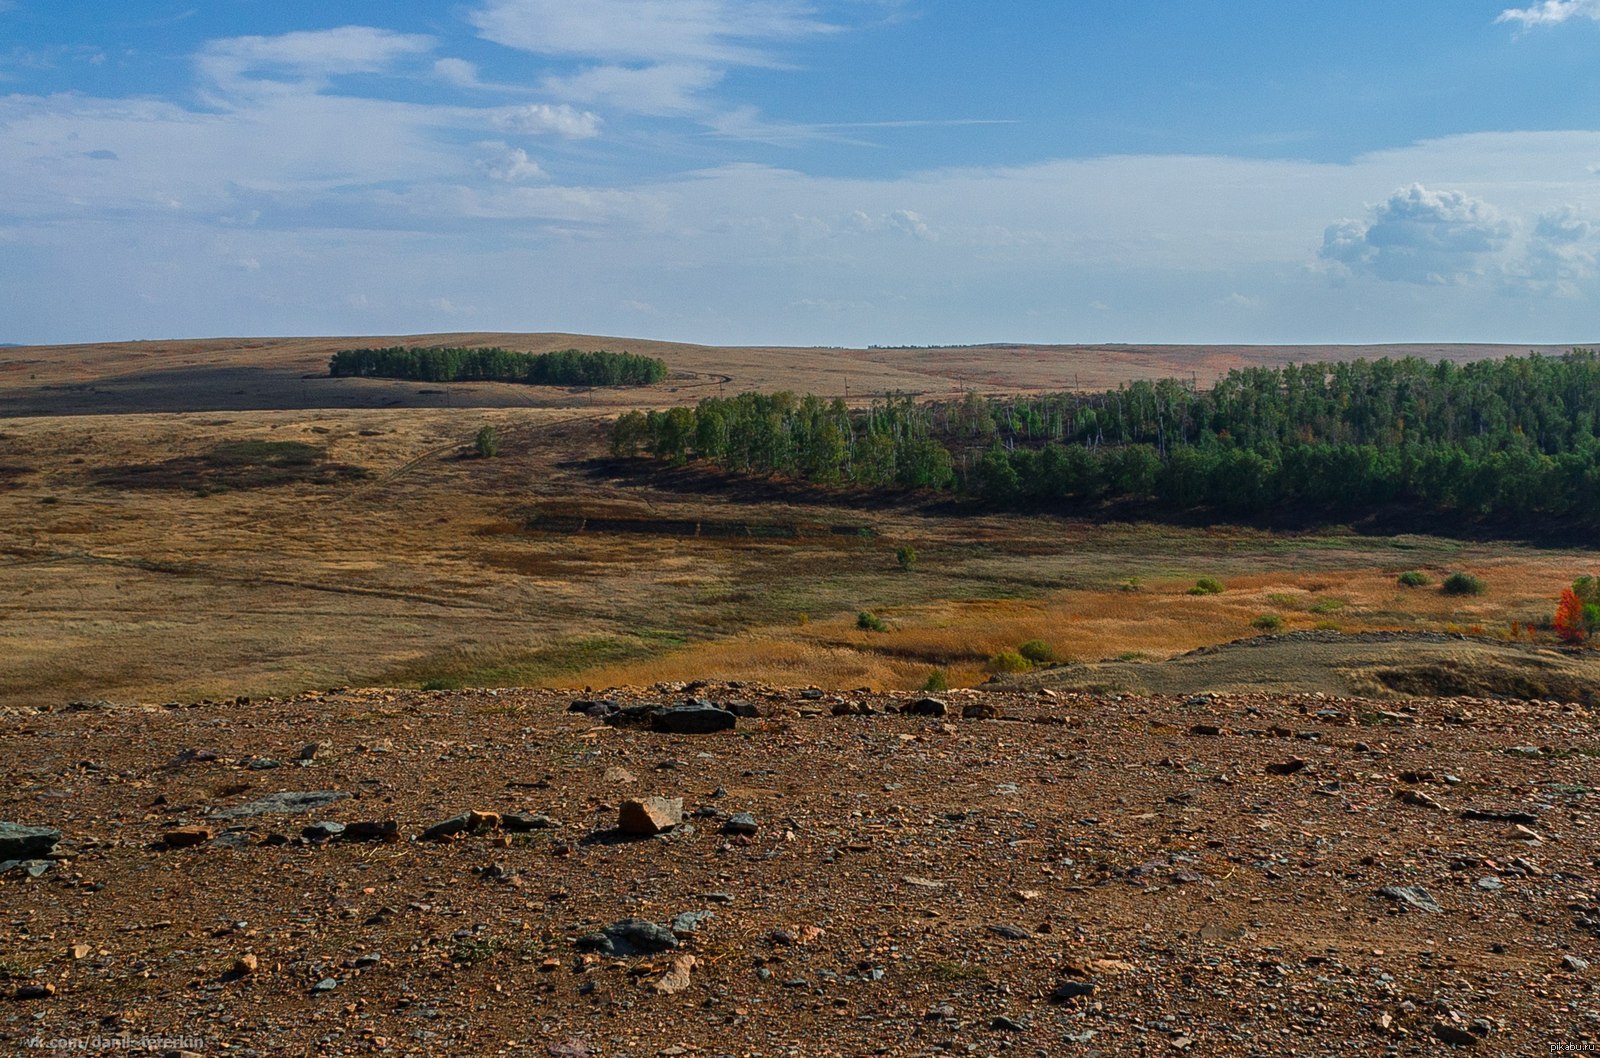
point(1515, 437)
point(569, 367)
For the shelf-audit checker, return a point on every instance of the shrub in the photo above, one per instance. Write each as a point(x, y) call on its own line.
point(486, 443)
point(1267, 622)
point(1328, 606)
point(1009, 661)
point(1464, 584)
point(1326, 626)
point(1206, 586)
point(1131, 584)
point(868, 621)
point(936, 681)
point(907, 557)
point(1038, 652)
point(1414, 579)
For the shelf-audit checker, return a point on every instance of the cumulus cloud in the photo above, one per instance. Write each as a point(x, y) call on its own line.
point(305, 59)
point(509, 165)
point(1552, 13)
point(1561, 256)
point(536, 119)
point(1419, 236)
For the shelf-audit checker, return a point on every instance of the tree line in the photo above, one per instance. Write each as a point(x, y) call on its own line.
point(1514, 437)
point(569, 367)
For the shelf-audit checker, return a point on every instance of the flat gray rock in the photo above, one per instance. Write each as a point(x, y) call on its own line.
point(631, 936)
point(18, 842)
point(1413, 896)
point(287, 803)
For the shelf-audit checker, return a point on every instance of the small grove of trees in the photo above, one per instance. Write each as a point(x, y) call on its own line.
point(1518, 438)
point(569, 367)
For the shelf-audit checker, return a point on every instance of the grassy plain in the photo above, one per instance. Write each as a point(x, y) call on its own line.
point(150, 549)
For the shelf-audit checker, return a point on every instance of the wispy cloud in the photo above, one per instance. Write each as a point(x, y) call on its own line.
point(719, 32)
point(304, 60)
point(1552, 13)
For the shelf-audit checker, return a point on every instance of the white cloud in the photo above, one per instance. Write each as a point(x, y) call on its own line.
point(666, 89)
point(509, 165)
point(306, 59)
point(458, 72)
point(1552, 12)
point(1419, 236)
point(1561, 257)
point(725, 32)
point(536, 119)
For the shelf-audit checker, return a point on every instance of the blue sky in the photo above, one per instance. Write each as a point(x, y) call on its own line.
point(833, 172)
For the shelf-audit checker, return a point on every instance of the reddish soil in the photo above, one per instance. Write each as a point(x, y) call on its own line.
point(914, 885)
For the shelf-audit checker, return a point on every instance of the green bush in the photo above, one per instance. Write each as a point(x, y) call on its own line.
point(868, 621)
point(1464, 584)
point(1326, 626)
point(1206, 586)
point(1009, 661)
point(1038, 652)
point(1414, 579)
point(486, 443)
point(936, 681)
point(907, 557)
point(1328, 606)
point(1267, 622)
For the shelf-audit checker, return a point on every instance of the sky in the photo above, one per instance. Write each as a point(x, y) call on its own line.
point(834, 172)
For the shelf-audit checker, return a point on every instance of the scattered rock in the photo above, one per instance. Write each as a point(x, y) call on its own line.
point(630, 936)
point(1574, 963)
point(371, 830)
point(327, 984)
point(693, 720)
point(980, 711)
point(690, 921)
point(244, 966)
point(741, 823)
point(522, 822)
point(40, 991)
point(1070, 991)
point(1288, 767)
point(1001, 1023)
point(312, 750)
point(1454, 1035)
point(18, 842)
point(186, 837)
point(1011, 932)
point(1418, 798)
point(287, 803)
point(650, 815)
point(925, 707)
point(676, 979)
point(323, 831)
point(446, 829)
point(1412, 896)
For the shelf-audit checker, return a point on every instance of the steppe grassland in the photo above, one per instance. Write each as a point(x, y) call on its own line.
point(420, 572)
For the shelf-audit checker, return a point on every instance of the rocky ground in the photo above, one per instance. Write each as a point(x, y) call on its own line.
point(1039, 873)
